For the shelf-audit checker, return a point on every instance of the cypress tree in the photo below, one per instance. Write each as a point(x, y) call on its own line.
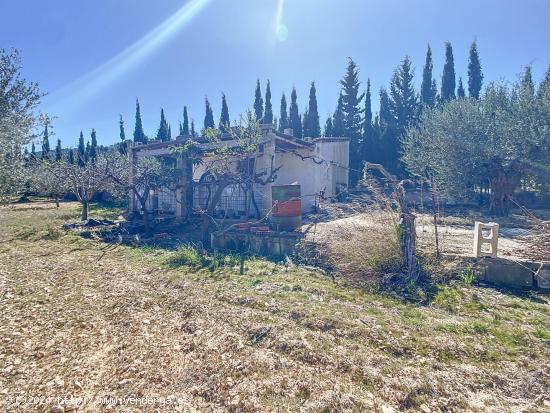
point(70, 156)
point(123, 147)
point(268, 113)
point(81, 150)
point(434, 91)
point(87, 152)
point(193, 133)
point(93, 147)
point(139, 135)
point(283, 119)
point(33, 151)
point(258, 102)
point(169, 132)
point(338, 129)
point(162, 132)
point(448, 80)
point(328, 127)
point(181, 128)
point(185, 126)
point(224, 117)
point(544, 86)
point(460, 92)
point(294, 120)
point(427, 93)
point(209, 115)
point(475, 76)
point(58, 151)
point(312, 119)
point(45, 143)
point(368, 142)
point(305, 127)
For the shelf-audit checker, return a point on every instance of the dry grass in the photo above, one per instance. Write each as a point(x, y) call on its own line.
point(88, 321)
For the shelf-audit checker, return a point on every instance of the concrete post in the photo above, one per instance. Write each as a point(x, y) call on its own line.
point(479, 239)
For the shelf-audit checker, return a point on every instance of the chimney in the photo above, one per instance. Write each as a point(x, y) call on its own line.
point(288, 131)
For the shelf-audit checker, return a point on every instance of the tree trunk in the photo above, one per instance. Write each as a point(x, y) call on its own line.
point(502, 187)
point(56, 201)
point(84, 210)
point(408, 245)
point(207, 215)
point(435, 213)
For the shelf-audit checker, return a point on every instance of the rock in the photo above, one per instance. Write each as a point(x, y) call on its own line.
point(58, 409)
point(387, 409)
point(424, 408)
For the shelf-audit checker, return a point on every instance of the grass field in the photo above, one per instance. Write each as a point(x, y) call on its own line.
point(86, 320)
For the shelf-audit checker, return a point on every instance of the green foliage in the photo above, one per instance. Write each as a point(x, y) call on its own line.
point(93, 146)
point(427, 92)
point(460, 92)
point(187, 255)
point(338, 118)
point(58, 151)
point(163, 130)
point(81, 151)
point(491, 142)
point(139, 135)
point(258, 102)
point(45, 143)
point(448, 80)
point(328, 131)
point(208, 115)
point(475, 76)
point(352, 119)
point(467, 277)
point(283, 116)
point(185, 124)
point(312, 126)
point(294, 114)
point(224, 117)
point(268, 112)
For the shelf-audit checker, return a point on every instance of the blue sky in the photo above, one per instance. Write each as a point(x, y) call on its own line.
point(216, 46)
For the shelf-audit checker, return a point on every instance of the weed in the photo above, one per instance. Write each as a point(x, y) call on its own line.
point(467, 277)
point(187, 255)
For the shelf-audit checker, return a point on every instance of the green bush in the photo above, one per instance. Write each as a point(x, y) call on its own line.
point(187, 255)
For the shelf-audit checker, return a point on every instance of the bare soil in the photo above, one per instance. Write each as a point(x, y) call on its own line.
point(85, 320)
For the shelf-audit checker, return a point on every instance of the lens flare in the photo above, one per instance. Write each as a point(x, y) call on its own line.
point(96, 80)
point(281, 30)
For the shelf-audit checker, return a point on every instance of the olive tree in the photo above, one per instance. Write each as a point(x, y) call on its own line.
point(18, 101)
point(493, 142)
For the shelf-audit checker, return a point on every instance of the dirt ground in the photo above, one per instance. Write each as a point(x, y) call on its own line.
point(95, 327)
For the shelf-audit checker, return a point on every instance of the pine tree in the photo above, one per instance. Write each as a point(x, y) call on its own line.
point(93, 147)
point(427, 93)
point(475, 76)
point(162, 132)
point(353, 121)
point(312, 119)
point(139, 135)
point(268, 113)
point(70, 156)
point(185, 126)
point(294, 119)
point(460, 92)
point(328, 127)
point(224, 117)
point(258, 102)
point(81, 150)
point(338, 128)
point(544, 86)
point(527, 86)
point(448, 80)
point(387, 133)
point(283, 119)
point(209, 115)
point(58, 151)
point(45, 143)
